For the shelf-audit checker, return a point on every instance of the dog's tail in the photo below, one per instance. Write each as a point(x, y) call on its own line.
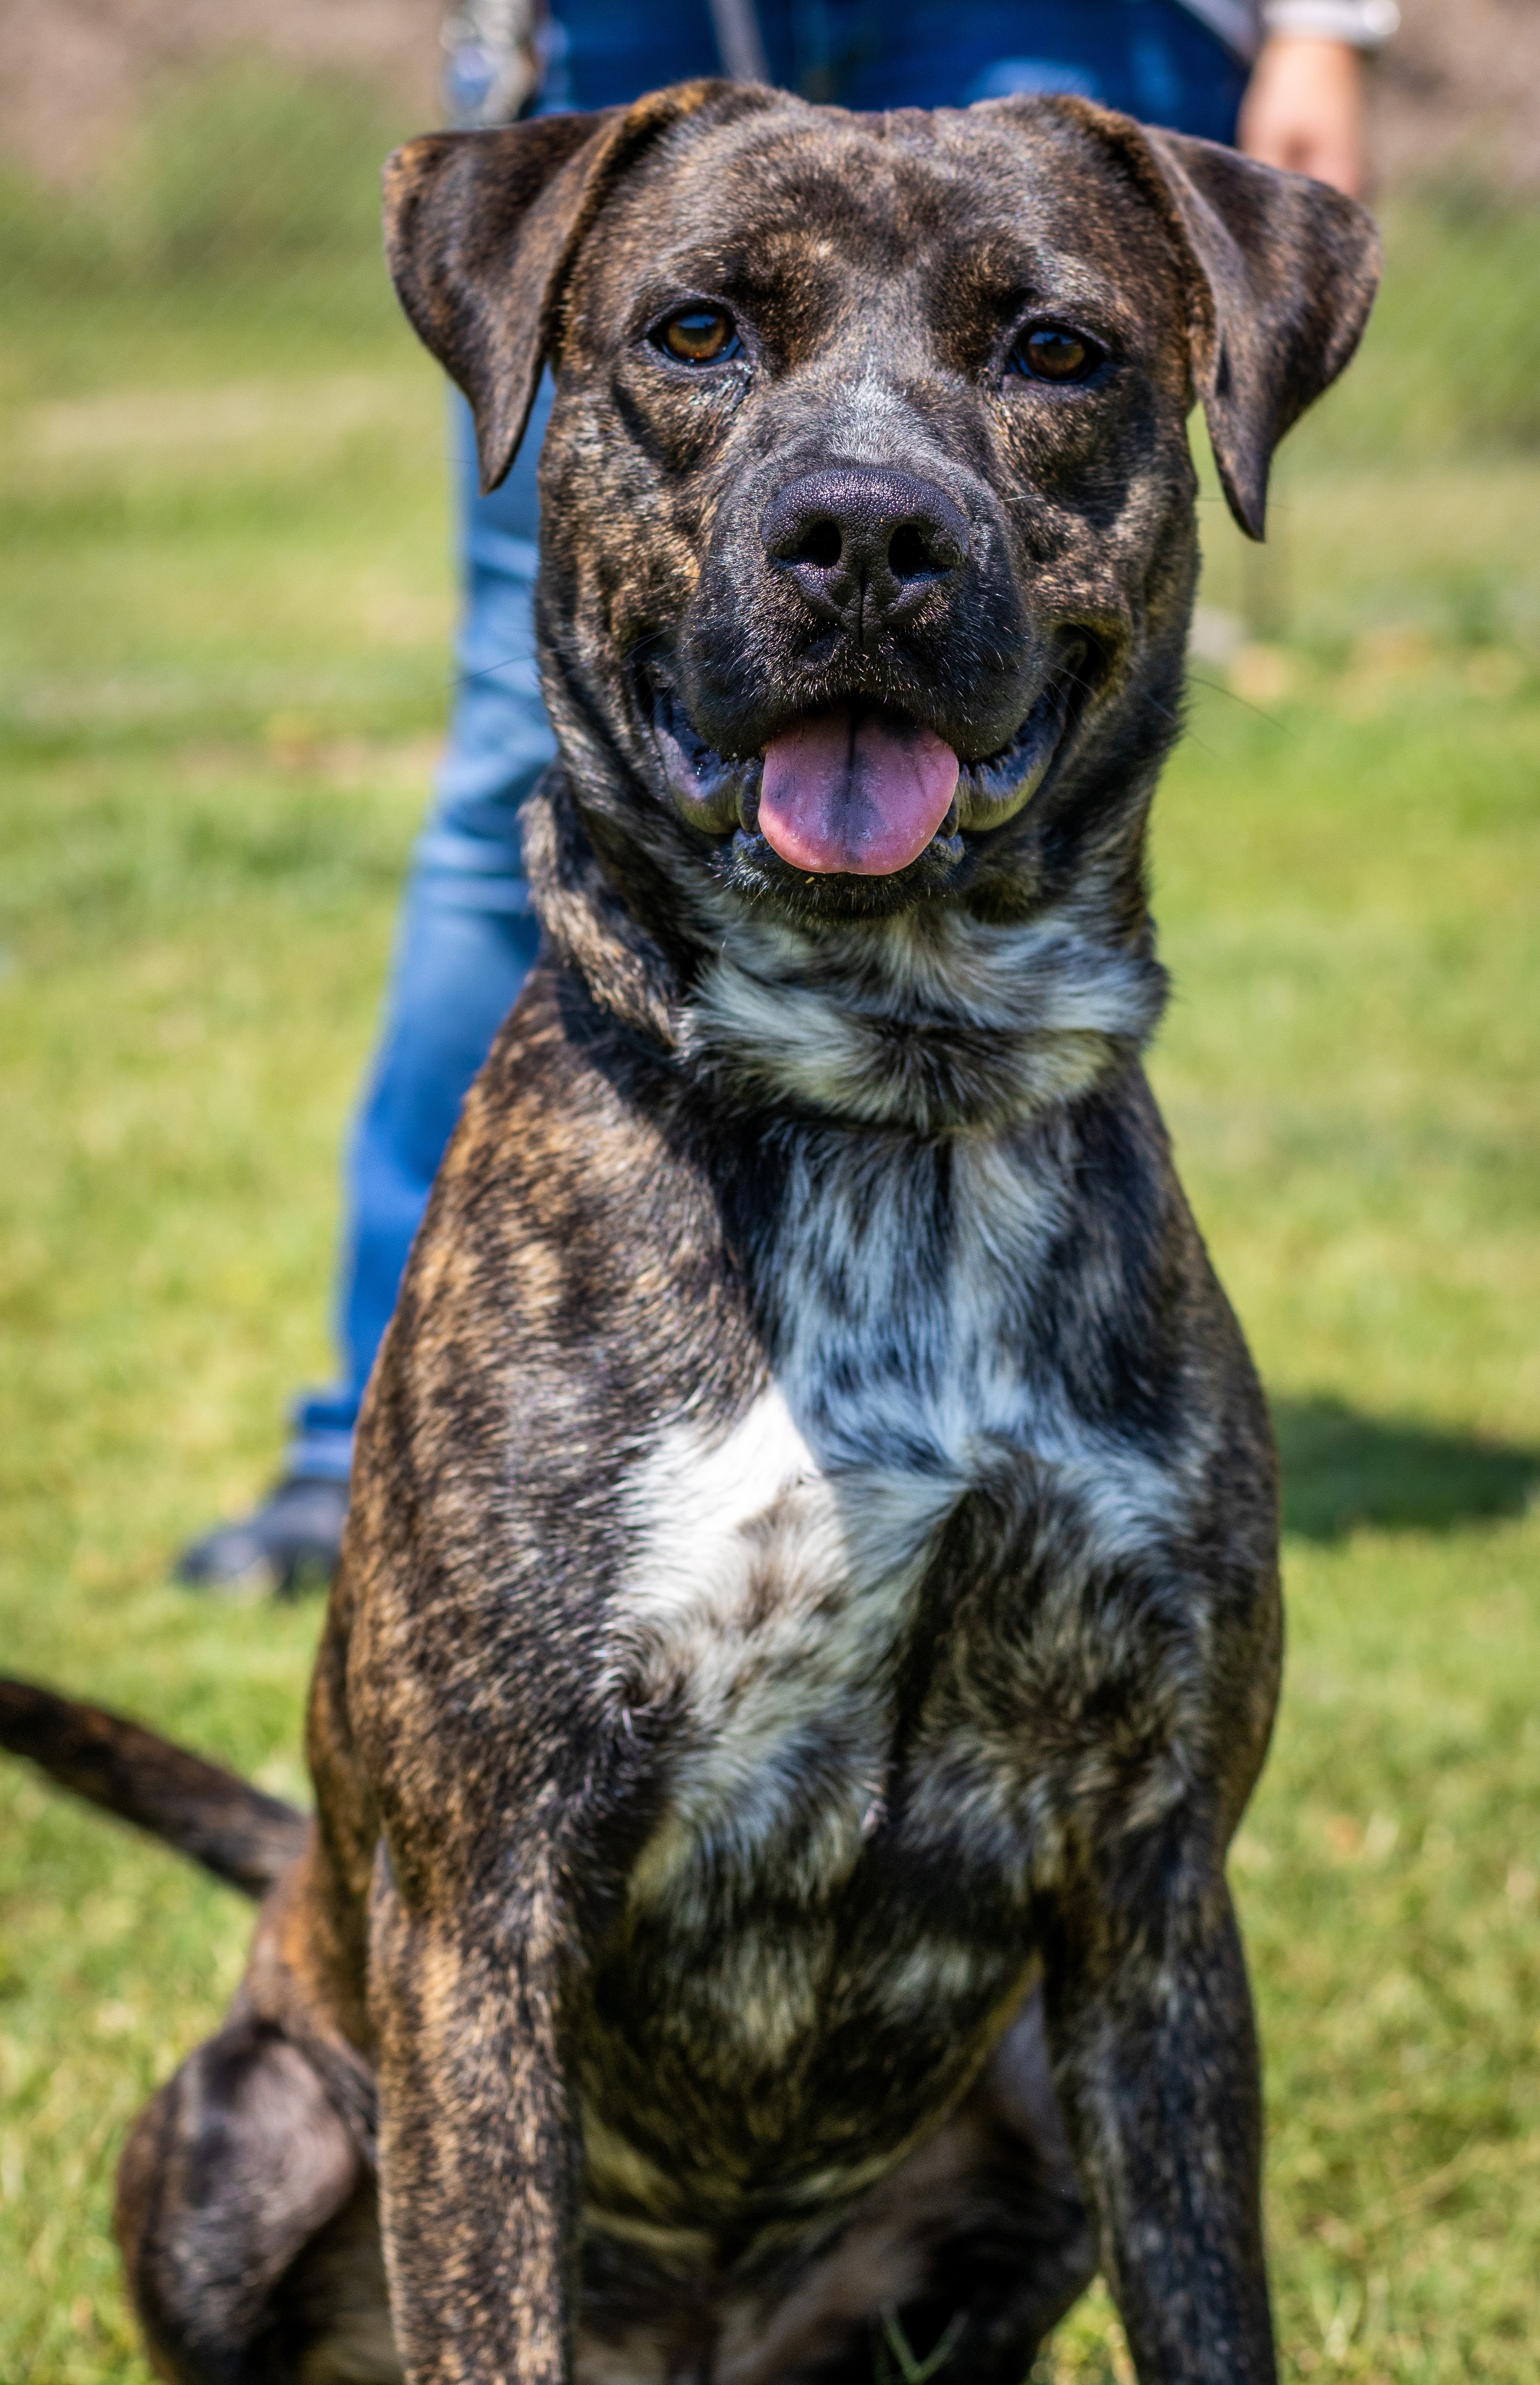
point(221, 1821)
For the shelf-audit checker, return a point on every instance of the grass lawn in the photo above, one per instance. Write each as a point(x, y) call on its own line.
point(222, 672)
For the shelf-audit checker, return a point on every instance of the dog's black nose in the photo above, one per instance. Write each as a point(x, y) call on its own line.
point(864, 544)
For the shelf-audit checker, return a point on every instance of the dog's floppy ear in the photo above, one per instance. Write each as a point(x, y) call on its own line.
point(480, 228)
point(1281, 275)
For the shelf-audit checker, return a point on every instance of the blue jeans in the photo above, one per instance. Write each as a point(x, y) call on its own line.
point(467, 938)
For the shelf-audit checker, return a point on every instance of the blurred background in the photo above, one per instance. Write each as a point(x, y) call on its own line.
point(225, 607)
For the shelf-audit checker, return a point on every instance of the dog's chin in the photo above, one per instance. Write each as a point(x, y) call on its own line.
point(720, 797)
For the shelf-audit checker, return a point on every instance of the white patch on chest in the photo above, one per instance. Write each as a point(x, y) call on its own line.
point(749, 1599)
point(776, 1565)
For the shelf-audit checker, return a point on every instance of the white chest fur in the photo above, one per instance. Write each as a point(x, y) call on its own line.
point(777, 1562)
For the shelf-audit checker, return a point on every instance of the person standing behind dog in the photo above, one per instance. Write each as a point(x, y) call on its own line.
point(1281, 79)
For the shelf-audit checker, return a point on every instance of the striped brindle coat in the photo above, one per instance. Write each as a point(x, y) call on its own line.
point(809, 1621)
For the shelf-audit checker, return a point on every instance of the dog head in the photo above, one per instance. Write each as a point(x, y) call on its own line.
point(868, 544)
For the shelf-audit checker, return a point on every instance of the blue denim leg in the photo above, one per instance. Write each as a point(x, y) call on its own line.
point(467, 938)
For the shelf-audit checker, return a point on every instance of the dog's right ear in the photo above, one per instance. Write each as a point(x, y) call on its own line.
point(480, 228)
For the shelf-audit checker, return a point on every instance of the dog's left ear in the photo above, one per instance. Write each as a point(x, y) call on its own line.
point(1281, 274)
point(481, 229)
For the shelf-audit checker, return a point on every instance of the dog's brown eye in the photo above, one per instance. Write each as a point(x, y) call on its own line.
point(1048, 354)
point(700, 335)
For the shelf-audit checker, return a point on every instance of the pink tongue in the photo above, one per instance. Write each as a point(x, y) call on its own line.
point(855, 789)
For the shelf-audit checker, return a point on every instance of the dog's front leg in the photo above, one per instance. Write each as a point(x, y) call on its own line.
point(477, 2164)
point(1155, 2060)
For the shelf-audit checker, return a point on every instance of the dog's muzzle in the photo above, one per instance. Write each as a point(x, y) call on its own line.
point(881, 613)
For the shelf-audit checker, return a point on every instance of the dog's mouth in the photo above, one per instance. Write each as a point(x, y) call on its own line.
point(860, 789)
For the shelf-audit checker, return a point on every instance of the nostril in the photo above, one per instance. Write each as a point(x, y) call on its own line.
point(855, 534)
point(908, 556)
point(819, 544)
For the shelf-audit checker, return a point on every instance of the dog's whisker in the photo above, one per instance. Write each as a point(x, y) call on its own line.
point(489, 671)
point(1220, 687)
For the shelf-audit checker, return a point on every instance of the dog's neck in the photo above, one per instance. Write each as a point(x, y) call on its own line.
point(935, 1021)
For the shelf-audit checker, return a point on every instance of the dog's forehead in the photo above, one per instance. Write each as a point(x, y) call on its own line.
point(914, 191)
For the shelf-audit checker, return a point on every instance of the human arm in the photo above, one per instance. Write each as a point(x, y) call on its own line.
point(1304, 106)
point(1303, 109)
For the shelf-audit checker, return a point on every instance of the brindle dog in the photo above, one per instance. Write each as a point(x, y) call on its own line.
point(809, 1622)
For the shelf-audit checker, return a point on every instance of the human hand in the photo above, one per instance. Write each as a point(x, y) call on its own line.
point(1304, 110)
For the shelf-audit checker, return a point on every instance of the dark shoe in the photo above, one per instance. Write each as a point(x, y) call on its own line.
point(289, 1543)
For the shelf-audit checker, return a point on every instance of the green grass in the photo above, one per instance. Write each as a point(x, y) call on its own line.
point(222, 669)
